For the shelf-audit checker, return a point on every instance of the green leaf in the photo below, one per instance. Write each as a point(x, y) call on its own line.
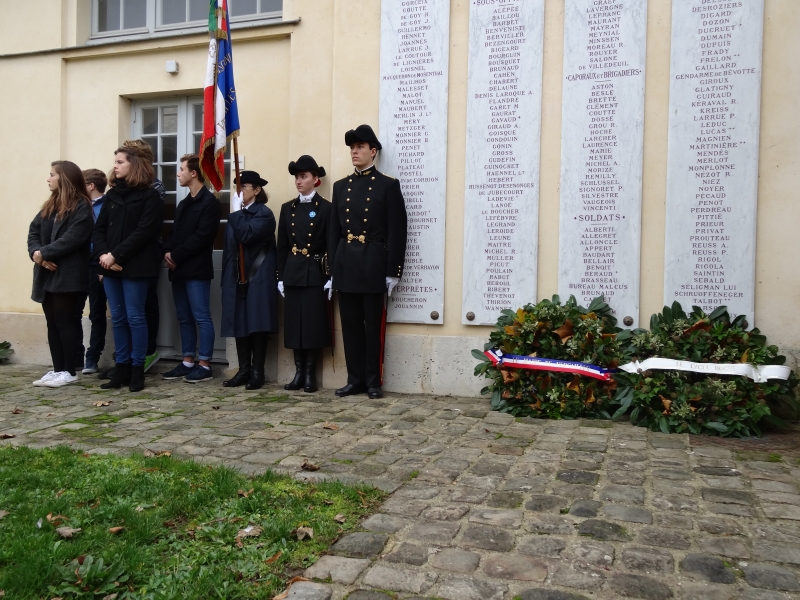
point(635, 414)
point(718, 312)
point(663, 424)
point(480, 356)
point(716, 426)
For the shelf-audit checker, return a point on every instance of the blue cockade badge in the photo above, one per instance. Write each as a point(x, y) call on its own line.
point(312, 214)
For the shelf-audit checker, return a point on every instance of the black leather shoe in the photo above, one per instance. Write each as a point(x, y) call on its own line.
point(374, 393)
point(350, 389)
point(299, 363)
point(257, 379)
point(242, 377)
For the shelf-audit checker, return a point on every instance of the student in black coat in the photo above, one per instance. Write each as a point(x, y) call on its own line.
point(126, 245)
point(302, 272)
point(366, 250)
point(58, 242)
point(189, 256)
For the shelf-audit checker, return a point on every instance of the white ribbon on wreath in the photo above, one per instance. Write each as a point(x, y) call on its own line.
point(758, 374)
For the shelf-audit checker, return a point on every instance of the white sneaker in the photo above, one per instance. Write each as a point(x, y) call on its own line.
point(41, 382)
point(61, 379)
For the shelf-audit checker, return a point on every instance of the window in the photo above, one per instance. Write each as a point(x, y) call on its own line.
point(116, 18)
point(174, 127)
point(182, 11)
point(115, 15)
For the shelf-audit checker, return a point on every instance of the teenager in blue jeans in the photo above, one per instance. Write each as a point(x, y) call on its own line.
point(188, 253)
point(127, 248)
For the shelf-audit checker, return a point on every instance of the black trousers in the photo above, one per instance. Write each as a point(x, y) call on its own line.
point(361, 332)
point(97, 317)
point(64, 331)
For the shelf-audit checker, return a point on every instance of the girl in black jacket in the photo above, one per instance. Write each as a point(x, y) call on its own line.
point(58, 242)
point(126, 245)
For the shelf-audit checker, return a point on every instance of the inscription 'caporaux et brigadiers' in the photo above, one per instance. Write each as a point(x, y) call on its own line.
point(601, 152)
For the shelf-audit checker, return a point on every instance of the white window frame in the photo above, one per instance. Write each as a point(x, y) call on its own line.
point(154, 29)
point(185, 141)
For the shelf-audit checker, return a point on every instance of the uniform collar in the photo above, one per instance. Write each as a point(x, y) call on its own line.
point(303, 199)
point(366, 171)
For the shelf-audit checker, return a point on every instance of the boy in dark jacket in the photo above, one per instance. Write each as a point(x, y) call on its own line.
point(188, 253)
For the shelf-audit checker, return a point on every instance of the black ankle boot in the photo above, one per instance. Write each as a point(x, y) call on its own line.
point(243, 351)
point(311, 372)
point(299, 362)
point(137, 378)
point(120, 376)
point(257, 376)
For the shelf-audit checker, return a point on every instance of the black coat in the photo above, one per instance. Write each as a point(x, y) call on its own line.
point(368, 206)
point(298, 229)
point(67, 245)
point(255, 228)
point(128, 226)
point(191, 240)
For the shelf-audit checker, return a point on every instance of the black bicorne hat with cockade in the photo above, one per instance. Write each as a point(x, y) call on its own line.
point(306, 163)
point(252, 178)
point(362, 133)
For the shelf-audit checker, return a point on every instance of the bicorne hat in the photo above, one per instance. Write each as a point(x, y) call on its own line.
point(252, 178)
point(306, 163)
point(362, 133)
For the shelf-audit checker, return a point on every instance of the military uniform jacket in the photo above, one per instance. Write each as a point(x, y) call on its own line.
point(302, 235)
point(367, 235)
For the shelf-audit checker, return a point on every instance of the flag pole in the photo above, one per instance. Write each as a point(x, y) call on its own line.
point(242, 273)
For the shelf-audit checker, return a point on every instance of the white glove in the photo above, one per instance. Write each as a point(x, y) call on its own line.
point(391, 282)
point(329, 286)
point(236, 201)
point(280, 289)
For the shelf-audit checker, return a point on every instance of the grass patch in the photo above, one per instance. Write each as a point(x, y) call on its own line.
point(101, 419)
point(181, 521)
point(345, 461)
point(413, 475)
point(774, 458)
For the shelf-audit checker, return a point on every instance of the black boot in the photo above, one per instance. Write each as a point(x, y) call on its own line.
point(257, 377)
point(137, 378)
point(243, 351)
point(121, 376)
point(299, 361)
point(311, 372)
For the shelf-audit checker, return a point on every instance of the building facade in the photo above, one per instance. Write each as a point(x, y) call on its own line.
point(80, 76)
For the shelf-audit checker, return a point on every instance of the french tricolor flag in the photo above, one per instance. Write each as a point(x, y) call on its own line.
point(220, 106)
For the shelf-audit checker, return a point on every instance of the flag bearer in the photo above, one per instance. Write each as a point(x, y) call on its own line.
point(366, 250)
point(249, 287)
point(303, 272)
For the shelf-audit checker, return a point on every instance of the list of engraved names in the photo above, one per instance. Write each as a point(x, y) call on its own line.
point(712, 176)
point(413, 130)
point(601, 152)
point(502, 160)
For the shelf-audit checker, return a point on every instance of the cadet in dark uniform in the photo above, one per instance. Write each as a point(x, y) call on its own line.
point(366, 250)
point(250, 312)
point(302, 272)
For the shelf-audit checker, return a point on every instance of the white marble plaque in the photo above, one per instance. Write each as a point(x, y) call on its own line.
point(712, 168)
point(501, 204)
point(415, 39)
point(601, 152)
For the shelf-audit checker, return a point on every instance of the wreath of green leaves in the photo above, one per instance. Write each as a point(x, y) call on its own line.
point(662, 400)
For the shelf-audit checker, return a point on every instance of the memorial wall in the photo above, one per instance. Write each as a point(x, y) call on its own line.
point(706, 152)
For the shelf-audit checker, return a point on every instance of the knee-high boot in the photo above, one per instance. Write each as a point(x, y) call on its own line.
point(259, 344)
point(310, 384)
point(243, 351)
point(299, 362)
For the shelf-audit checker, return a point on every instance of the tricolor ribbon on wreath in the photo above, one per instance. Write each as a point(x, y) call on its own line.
point(758, 374)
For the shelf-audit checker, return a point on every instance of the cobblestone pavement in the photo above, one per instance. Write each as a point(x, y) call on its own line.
point(484, 506)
